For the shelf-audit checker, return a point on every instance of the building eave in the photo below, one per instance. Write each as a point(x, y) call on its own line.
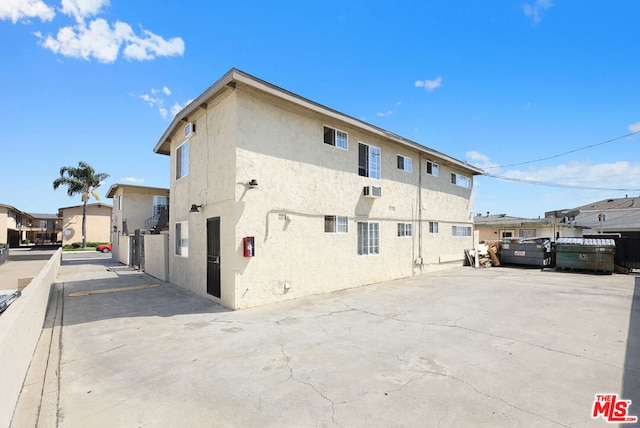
point(234, 76)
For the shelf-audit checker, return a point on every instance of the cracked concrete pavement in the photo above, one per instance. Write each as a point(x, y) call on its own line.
point(460, 347)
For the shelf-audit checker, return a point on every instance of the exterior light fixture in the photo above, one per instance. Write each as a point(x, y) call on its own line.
point(253, 183)
point(195, 208)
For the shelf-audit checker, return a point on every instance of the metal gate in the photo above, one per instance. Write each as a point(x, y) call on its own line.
point(137, 250)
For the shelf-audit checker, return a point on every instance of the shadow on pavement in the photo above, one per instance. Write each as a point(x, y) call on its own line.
point(631, 377)
point(121, 294)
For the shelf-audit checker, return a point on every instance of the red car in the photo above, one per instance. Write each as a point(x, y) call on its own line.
point(104, 248)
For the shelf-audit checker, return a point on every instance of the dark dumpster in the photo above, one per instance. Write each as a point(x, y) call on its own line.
point(529, 251)
point(592, 254)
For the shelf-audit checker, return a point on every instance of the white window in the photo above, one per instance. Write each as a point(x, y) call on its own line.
point(336, 224)
point(527, 233)
point(461, 180)
point(461, 230)
point(368, 238)
point(404, 229)
point(182, 239)
point(182, 160)
point(335, 137)
point(432, 168)
point(404, 163)
point(368, 161)
point(433, 227)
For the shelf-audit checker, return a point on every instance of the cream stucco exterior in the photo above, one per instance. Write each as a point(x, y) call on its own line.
point(98, 223)
point(496, 227)
point(132, 206)
point(247, 129)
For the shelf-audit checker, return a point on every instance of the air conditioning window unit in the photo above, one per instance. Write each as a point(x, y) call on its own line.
point(373, 191)
point(189, 129)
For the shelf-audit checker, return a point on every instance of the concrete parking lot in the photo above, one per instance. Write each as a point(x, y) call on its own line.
point(497, 347)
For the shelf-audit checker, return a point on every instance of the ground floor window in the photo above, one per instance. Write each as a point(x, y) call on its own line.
point(182, 239)
point(527, 233)
point(461, 230)
point(336, 224)
point(368, 238)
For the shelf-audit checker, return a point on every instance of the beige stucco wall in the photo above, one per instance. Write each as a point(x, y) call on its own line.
point(301, 177)
point(98, 224)
point(243, 136)
point(4, 218)
point(156, 255)
point(211, 182)
point(493, 233)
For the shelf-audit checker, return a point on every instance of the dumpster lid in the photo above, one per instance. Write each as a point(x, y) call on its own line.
point(589, 242)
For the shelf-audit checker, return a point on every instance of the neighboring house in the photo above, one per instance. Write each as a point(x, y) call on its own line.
point(495, 227)
point(45, 229)
point(136, 208)
point(619, 215)
point(18, 227)
point(98, 223)
point(275, 197)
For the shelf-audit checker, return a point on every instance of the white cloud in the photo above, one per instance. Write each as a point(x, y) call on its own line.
point(81, 9)
point(101, 41)
point(611, 175)
point(22, 10)
point(429, 85)
point(388, 113)
point(534, 10)
point(132, 180)
point(92, 38)
point(177, 108)
point(482, 161)
point(156, 100)
point(164, 90)
point(634, 127)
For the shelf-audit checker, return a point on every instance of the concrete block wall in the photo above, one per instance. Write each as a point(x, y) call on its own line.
point(20, 329)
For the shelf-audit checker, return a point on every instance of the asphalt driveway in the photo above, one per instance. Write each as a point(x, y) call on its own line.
point(461, 347)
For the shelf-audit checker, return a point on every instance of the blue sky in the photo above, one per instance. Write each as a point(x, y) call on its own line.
point(495, 83)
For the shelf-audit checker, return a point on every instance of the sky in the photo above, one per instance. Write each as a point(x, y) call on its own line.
point(544, 95)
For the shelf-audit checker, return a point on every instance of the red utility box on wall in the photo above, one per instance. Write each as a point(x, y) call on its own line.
point(249, 246)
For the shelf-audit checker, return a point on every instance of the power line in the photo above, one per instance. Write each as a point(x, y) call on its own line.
point(565, 153)
point(566, 186)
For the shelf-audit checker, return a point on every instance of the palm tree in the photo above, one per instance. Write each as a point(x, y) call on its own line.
point(84, 180)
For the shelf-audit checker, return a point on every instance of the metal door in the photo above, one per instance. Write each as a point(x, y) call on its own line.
point(213, 256)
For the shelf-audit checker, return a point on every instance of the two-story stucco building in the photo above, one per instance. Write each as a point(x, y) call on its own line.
point(275, 197)
point(98, 222)
point(134, 208)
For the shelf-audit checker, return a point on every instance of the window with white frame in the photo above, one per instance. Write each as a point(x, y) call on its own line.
point(461, 230)
point(368, 238)
point(433, 227)
point(432, 168)
point(336, 224)
point(182, 160)
point(404, 229)
point(460, 180)
point(368, 161)
point(527, 233)
point(182, 239)
point(404, 163)
point(335, 137)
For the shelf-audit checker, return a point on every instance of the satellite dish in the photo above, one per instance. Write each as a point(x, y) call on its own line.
point(573, 214)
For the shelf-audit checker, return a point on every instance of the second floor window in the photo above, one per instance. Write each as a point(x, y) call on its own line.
point(182, 160)
point(368, 161)
point(404, 163)
point(335, 137)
